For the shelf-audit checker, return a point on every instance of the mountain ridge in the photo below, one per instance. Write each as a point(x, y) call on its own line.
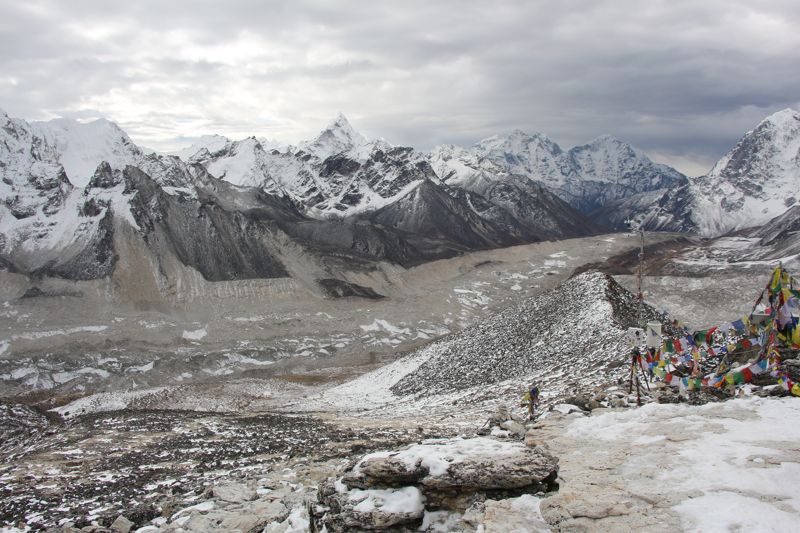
point(392, 203)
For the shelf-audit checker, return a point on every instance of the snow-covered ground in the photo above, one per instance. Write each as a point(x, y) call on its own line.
point(730, 466)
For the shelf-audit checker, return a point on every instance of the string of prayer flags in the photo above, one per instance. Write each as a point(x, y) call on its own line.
point(777, 324)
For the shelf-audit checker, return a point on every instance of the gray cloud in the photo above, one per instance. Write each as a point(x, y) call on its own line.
point(680, 79)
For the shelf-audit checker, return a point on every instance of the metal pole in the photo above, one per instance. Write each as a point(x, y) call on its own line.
point(639, 277)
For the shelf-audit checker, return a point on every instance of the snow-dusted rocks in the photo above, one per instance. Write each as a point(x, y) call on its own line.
point(439, 464)
point(372, 509)
point(389, 488)
point(576, 328)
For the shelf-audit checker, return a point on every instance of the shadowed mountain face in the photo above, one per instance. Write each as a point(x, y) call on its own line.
point(779, 238)
point(659, 210)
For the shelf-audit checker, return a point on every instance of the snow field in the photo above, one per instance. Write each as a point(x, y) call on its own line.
point(738, 461)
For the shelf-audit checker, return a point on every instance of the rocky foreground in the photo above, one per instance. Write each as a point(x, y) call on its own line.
point(661, 467)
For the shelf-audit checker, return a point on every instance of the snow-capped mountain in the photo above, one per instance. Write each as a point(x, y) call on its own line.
point(757, 180)
point(754, 182)
point(210, 143)
point(32, 178)
point(81, 146)
point(587, 177)
point(142, 220)
point(338, 173)
point(339, 137)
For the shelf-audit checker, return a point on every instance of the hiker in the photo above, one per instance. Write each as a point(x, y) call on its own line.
point(531, 399)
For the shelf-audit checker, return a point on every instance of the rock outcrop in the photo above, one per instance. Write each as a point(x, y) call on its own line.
point(404, 488)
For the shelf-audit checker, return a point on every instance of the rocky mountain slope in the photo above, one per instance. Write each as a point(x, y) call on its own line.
point(659, 210)
point(584, 334)
point(779, 239)
point(568, 339)
point(754, 182)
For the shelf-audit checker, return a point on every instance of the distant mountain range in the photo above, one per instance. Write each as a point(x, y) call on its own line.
point(77, 198)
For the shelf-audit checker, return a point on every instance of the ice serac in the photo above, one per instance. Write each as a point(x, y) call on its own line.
point(586, 177)
point(754, 182)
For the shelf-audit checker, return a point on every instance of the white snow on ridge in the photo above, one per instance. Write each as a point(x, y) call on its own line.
point(101, 402)
point(52, 333)
point(194, 335)
point(383, 325)
point(83, 145)
point(212, 143)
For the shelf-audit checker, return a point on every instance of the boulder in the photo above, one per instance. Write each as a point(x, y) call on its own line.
point(394, 489)
point(479, 463)
point(374, 509)
point(121, 525)
point(513, 514)
point(234, 492)
point(514, 427)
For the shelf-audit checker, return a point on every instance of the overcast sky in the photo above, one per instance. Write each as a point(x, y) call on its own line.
point(681, 79)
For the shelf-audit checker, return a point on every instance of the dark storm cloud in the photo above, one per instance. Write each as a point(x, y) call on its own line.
point(681, 79)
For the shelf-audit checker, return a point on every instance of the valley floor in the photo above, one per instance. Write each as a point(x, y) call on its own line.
point(213, 433)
